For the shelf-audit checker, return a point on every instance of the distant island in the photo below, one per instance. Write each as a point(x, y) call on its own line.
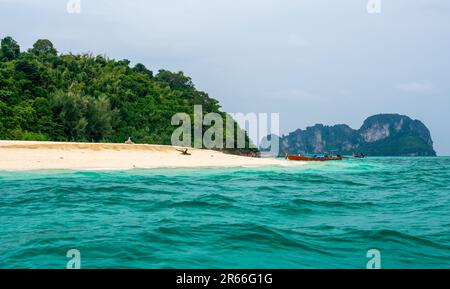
point(380, 135)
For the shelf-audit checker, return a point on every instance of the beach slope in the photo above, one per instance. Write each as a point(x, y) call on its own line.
point(29, 155)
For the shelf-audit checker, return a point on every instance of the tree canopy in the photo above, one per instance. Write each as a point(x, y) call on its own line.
point(9, 49)
point(43, 46)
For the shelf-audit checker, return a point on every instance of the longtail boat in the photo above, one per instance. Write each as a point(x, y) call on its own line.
point(313, 158)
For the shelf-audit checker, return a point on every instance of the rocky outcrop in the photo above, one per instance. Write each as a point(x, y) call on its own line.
point(380, 135)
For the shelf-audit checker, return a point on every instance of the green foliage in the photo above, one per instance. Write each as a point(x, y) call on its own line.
point(402, 146)
point(99, 119)
point(45, 96)
point(140, 68)
point(68, 110)
point(9, 49)
point(43, 46)
point(18, 134)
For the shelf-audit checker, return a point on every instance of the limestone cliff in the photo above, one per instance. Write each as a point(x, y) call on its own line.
point(380, 135)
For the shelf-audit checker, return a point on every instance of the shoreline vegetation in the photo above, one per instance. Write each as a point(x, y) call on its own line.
point(48, 96)
point(33, 155)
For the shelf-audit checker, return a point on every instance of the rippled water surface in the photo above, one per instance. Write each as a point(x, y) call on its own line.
point(296, 216)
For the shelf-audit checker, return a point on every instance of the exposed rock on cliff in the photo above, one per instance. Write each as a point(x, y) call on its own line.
point(380, 135)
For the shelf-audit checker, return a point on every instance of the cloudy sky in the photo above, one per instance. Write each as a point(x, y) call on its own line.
point(313, 61)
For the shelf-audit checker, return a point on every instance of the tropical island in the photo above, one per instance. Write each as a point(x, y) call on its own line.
point(380, 135)
point(66, 111)
point(84, 98)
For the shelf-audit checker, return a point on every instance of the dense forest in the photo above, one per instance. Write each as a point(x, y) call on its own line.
point(65, 97)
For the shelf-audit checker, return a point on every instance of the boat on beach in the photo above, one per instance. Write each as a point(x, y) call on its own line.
point(313, 158)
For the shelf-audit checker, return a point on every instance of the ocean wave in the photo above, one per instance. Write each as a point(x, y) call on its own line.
point(308, 215)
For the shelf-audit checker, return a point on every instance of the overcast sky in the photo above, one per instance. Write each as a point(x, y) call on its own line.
point(313, 61)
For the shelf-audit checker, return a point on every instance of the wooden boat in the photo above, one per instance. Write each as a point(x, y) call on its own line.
point(313, 158)
point(359, 156)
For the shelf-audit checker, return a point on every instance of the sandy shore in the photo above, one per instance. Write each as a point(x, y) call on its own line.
point(24, 155)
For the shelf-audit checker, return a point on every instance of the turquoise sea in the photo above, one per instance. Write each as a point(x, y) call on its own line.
point(321, 215)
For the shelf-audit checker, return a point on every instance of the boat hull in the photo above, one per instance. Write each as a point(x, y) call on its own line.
point(310, 159)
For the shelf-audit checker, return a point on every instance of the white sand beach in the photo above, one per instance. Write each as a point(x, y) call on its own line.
point(31, 155)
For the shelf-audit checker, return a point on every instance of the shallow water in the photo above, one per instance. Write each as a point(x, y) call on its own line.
point(325, 215)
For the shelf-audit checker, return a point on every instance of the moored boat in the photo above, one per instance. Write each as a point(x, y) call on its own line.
point(358, 155)
point(313, 158)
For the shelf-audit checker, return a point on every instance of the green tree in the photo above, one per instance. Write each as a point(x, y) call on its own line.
point(43, 46)
point(68, 108)
point(177, 81)
point(140, 68)
point(9, 49)
point(44, 115)
point(100, 118)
